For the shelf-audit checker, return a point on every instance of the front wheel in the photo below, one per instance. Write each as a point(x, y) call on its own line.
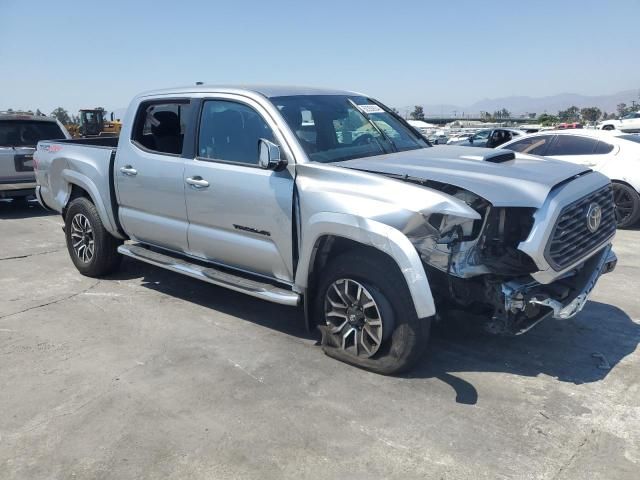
point(608, 127)
point(92, 248)
point(366, 314)
point(627, 202)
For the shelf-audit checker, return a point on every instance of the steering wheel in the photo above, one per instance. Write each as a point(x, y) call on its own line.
point(364, 139)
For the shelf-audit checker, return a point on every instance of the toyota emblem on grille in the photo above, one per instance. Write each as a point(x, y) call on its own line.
point(594, 217)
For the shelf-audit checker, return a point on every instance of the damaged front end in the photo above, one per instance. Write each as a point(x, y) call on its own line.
point(477, 271)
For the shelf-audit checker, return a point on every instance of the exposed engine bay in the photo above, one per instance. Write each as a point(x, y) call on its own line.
point(475, 268)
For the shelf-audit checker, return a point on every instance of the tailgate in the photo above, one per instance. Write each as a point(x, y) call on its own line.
point(16, 166)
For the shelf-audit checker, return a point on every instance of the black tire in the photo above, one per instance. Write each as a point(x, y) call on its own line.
point(105, 258)
point(608, 127)
point(404, 337)
point(627, 202)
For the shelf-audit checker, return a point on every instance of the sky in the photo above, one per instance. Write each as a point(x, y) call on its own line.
point(87, 53)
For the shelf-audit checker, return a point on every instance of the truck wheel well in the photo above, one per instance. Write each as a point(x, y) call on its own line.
point(325, 248)
point(76, 192)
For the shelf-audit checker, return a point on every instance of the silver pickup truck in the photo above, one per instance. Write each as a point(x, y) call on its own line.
point(19, 134)
point(329, 200)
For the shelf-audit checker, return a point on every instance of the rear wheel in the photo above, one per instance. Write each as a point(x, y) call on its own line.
point(608, 127)
point(92, 248)
point(367, 315)
point(627, 202)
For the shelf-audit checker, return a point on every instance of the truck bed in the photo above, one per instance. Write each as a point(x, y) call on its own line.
point(86, 163)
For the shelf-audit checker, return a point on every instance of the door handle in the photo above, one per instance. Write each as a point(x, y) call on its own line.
point(128, 170)
point(197, 182)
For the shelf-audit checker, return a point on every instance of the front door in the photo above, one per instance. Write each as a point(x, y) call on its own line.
point(239, 214)
point(149, 176)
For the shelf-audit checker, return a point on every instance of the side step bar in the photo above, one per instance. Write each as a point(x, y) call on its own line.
point(257, 289)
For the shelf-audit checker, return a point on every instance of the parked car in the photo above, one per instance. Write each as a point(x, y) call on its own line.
point(616, 155)
point(489, 138)
point(630, 123)
point(19, 134)
point(377, 235)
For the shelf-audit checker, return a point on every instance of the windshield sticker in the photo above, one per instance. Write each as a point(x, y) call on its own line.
point(368, 109)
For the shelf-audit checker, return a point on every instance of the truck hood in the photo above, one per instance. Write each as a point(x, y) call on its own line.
point(522, 182)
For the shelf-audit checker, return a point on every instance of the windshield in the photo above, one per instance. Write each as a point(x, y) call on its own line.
point(334, 128)
point(27, 133)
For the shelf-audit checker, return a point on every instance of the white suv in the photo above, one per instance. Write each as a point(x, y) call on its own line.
point(630, 123)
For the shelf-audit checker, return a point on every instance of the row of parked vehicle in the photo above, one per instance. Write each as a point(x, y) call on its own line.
point(329, 201)
point(614, 152)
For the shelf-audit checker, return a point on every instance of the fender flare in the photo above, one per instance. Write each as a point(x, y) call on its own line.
point(74, 178)
point(374, 234)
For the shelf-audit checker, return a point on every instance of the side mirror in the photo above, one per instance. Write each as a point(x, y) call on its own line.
point(470, 139)
point(269, 158)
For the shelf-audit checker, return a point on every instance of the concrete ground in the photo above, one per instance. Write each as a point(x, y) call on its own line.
point(148, 374)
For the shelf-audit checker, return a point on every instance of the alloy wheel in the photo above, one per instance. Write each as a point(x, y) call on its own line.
point(353, 316)
point(82, 239)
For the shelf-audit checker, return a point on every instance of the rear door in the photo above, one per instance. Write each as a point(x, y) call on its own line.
point(239, 214)
point(149, 175)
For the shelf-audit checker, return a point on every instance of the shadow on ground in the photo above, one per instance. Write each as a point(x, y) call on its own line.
point(581, 350)
point(12, 209)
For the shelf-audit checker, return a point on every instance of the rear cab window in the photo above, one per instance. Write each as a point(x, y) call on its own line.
point(160, 126)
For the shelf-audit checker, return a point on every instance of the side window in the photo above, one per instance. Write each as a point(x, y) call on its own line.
point(230, 131)
point(160, 127)
point(572, 145)
point(531, 145)
point(603, 148)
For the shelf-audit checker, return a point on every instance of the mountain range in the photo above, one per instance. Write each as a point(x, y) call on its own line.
point(523, 104)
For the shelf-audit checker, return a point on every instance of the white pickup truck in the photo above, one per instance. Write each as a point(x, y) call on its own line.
point(329, 200)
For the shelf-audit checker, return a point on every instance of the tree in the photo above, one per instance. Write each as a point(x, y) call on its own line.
point(622, 109)
point(418, 113)
point(62, 115)
point(571, 114)
point(505, 113)
point(547, 120)
point(590, 114)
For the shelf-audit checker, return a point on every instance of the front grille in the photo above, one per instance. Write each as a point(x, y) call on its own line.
point(571, 238)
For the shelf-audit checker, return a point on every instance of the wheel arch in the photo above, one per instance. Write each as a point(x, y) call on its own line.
point(79, 186)
point(328, 234)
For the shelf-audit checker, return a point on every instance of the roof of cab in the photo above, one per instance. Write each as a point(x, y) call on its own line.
point(268, 91)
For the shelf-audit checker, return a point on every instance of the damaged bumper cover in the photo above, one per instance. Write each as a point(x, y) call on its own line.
point(606, 262)
point(563, 299)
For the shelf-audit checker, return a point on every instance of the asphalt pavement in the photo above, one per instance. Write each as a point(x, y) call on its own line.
point(149, 374)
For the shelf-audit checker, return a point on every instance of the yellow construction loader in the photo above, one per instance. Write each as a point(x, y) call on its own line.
point(94, 124)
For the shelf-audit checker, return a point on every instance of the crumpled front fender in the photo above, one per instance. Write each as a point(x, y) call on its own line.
point(374, 234)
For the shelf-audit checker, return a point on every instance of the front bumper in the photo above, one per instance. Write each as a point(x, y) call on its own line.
point(607, 262)
point(529, 302)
